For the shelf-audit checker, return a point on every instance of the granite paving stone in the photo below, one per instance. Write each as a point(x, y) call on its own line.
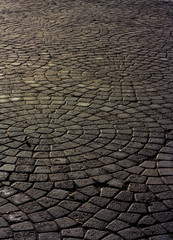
point(94, 234)
point(95, 223)
point(40, 216)
point(49, 235)
point(65, 222)
point(113, 237)
point(131, 233)
point(6, 233)
point(23, 226)
point(73, 232)
point(30, 235)
point(48, 226)
point(15, 217)
point(86, 109)
point(117, 225)
point(106, 215)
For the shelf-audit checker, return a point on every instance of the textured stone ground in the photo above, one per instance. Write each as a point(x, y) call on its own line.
point(86, 120)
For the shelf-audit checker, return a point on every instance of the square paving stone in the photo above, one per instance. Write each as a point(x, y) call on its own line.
point(48, 226)
point(77, 196)
point(58, 194)
point(69, 204)
point(88, 207)
point(3, 176)
point(147, 221)
point(118, 206)
point(129, 217)
point(144, 197)
point(161, 237)
point(28, 235)
point(165, 195)
point(15, 217)
point(23, 226)
point(124, 196)
point(54, 177)
point(49, 235)
point(8, 208)
point(89, 190)
point(163, 216)
point(19, 198)
point(131, 233)
point(22, 186)
point(157, 206)
point(99, 201)
point(66, 185)
point(93, 234)
point(117, 225)
point(24, 168)
point(137, 208)
point(137, 187)
point(18, 177)
point(83, 182)
point(7, 191)
point(112, 237)
point(73, 232)
point(40, 216)
point(3, 201)
point(95, 223)
point(154, 181)
point(115, 183)
point(108, 192)
point(3, 223)
point(134, 178)
point(47, 202)
point(168, 226)
point(154, 230)
point(30, 207)
point(5, 233)
point(38, 177)
point(106, 215)
point(65, 222)
point(46, 186)
point(158, 188)
point(57, 211)
point(169, 203)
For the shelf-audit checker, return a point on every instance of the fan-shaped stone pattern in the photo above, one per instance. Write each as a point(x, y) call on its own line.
point(86, 120)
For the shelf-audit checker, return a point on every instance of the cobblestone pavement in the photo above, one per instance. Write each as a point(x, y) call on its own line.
point(86, 123)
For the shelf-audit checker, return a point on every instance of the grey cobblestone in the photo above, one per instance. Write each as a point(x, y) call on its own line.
point(117, 225)
point(94, 234)
point(73, 232)
point(131, 233)
point(95, 223)
point(25, 235)
point(48, 226)
point(23, 226)
point(50, 235)
point(40, 216)
point(86, 120)
point(112, 237)
point(6, 233)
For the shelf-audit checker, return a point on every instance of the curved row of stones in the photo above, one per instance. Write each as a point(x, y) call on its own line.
point(86, 119)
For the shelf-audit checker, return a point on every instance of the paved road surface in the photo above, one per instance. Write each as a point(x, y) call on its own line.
point(86, 123)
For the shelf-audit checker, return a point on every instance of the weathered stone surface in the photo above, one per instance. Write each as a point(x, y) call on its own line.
point(73, 232)
point(131, 233)
point(25, 235)
point(49, 235)
point(23, 226)
point(86, 120)
point(48, 226)
point(117, 225)
point(93, 234)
